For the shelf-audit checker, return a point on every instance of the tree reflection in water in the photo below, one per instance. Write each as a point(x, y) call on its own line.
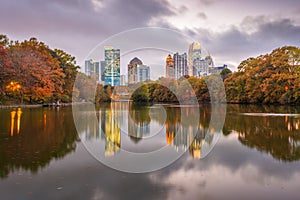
point(31, 138)
point(277, 134)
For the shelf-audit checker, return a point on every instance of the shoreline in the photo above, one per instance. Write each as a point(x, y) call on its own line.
point(21, 106)
point(41, 105)
point(80, 103)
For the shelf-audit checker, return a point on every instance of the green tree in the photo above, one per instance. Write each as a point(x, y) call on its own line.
point(140, 95)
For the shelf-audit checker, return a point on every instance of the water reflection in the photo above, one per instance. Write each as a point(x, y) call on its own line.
point(276, 133)
point(191, 137)
point(31, 138)
point(270, 129)
point(142, 129)
point(138, 122)
point(257, 158)
point(12, 121)
point(110, 124)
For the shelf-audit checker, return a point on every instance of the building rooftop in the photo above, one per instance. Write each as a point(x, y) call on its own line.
point(136, 60)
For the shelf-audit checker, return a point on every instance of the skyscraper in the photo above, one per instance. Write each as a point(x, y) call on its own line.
point(200, 67)
point(137, 72)
point(176, 66)
point(170, 69)
point(88, 67)
point(92, 68)
point(198, 64)
point(132, 70)
point(112, 66)
point(193, 54)
point(143, 73)
point(180, 65)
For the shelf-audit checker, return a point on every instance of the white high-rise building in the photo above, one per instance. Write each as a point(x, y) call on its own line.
point(88, 67)
point(193, 54)
point(143, 73)
point(180, 65)
point(92, 68)
point(198, 64)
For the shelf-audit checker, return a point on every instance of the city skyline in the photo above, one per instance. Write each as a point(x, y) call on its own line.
point(193, 62)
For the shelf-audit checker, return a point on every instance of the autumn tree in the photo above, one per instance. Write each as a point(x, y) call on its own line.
point(5, 68)
point(271, 78)
point(38, 73)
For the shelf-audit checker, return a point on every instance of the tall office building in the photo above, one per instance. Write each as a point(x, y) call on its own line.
point(193, 54)
point(198, 64)
point(137, 72)
point(180, 65)
point(92, 68)
point(143, 73)
point(89, 67)
point(132, 70)
point(112, 66)
point(170, 69)
point(176, 66)
point(200, 67)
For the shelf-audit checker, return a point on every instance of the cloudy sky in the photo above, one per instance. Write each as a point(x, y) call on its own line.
point(231, 30)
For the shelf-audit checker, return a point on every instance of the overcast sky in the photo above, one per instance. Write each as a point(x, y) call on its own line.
point(231, 30)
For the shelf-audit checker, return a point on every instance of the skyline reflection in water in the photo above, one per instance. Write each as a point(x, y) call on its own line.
point(142, 129)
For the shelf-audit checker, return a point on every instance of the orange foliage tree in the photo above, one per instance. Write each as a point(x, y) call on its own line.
point(38, 73)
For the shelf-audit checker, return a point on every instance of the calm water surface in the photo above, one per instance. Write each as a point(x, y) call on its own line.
point(256, 153)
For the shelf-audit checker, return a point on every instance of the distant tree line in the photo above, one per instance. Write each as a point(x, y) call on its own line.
point(187, 89)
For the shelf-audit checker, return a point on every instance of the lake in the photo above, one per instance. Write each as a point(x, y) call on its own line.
point(171, 152)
